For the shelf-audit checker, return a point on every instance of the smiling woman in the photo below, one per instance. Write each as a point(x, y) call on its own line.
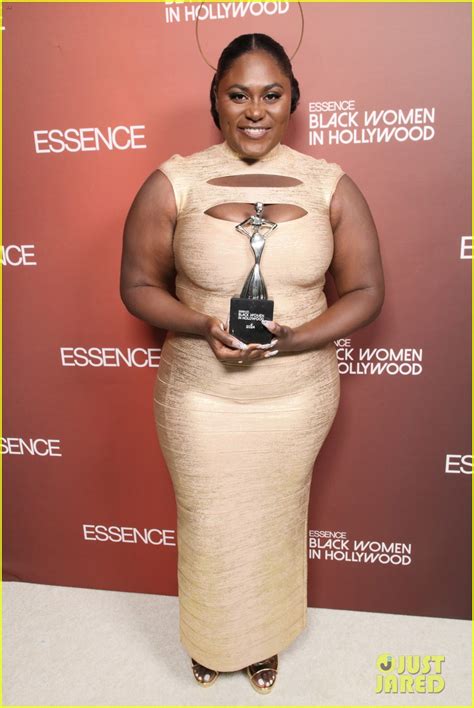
point(251, 102)
point(240, 425)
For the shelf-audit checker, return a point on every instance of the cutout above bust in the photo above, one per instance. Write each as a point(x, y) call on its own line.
point(255, 181)
point(239, 211)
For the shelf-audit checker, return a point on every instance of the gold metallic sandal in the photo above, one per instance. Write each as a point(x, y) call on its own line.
point(255, 673)
point(204, 676)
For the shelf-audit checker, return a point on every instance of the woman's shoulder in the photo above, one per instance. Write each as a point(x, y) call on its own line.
point(311, 164)
point(191, 162)
point(184, 171)
point(319, 174)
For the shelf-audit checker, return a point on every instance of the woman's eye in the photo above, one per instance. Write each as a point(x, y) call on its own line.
point(239, 97)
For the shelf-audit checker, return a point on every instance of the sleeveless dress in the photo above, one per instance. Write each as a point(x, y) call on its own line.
point(240, 440)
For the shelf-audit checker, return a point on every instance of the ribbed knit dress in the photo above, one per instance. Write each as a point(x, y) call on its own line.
point(240, 440)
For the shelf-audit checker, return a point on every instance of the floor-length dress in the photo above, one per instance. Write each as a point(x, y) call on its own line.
point(240, 440)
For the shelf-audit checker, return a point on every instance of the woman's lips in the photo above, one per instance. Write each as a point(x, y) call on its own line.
point(254, 133)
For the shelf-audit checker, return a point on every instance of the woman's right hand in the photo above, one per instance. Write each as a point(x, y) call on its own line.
point(228, 348)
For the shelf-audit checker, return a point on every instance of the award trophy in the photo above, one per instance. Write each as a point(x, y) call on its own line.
point(247, 311)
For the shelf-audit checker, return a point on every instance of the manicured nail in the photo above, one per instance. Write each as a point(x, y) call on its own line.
point(267, 323)
point(267, 346)
point(270, 353)
point(240, 345)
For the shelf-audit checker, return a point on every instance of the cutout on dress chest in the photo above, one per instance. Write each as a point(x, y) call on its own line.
point(255, 181)
point(239, 211)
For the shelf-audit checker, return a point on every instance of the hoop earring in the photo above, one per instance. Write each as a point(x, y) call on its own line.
point(215, 68)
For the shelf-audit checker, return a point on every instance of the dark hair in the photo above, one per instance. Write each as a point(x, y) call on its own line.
point(248, 43)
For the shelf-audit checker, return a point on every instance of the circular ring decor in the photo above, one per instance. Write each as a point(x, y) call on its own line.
point(215, 68)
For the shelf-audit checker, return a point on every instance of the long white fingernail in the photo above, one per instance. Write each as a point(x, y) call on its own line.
point(267, 346)
point(270, 353)
point(268, 324)
point(237, 344)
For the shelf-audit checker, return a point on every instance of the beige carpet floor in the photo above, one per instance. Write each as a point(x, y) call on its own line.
point(70, 646)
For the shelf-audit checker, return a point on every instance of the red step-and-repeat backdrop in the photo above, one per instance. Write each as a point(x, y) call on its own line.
point(96, 96)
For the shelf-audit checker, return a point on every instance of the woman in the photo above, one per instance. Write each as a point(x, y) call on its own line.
point(240, 425)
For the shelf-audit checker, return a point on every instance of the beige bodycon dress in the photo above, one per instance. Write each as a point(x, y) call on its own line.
point(240, 440)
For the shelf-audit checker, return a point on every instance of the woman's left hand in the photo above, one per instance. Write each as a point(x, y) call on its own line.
point(284, 335)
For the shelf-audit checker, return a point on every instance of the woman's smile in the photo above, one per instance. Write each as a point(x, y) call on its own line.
point(254, 103)
point(254, 133)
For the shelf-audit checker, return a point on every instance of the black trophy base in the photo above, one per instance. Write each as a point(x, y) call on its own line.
point(245, 319)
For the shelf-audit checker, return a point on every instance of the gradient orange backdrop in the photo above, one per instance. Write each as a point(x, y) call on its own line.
point(381, 474)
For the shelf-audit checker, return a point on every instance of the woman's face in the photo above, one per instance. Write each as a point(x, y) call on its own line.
point(253, 102)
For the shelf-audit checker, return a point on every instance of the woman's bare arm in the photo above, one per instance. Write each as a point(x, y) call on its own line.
point(147, 270)
point(356, 268)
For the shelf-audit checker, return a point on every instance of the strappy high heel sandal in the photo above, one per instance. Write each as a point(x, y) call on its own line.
point(204, 676)
point(255, 672)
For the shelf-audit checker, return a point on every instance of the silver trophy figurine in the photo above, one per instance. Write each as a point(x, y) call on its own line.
point(253, 305)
